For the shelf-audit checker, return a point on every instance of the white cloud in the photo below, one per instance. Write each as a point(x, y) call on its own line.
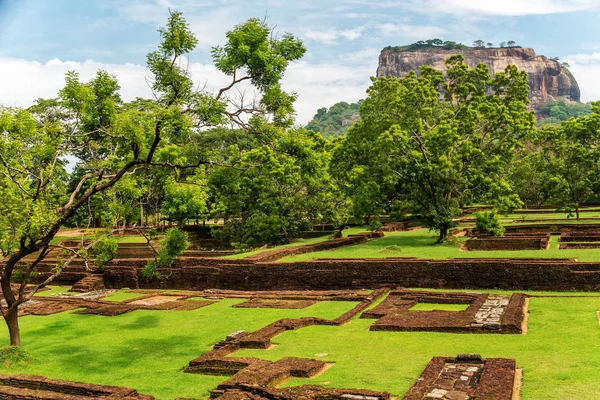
point(586, 68)
point(323, 85)
point(501, 7)
point(317, 85)
point(410, 31)
point(331, 36)
point(354, 15)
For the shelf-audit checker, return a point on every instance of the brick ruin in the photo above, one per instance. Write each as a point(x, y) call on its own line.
point(485, 313)
point(528, 241)
point(579, 240)
point(465, 377)
point(28, 387)
point(444, 378)
point(254, 378)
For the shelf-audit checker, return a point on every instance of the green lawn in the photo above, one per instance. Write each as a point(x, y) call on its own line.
point(560, 355)
point(53, 290)
point(122, 295)
point(297, 242)
point(421, 243)
point(300, 242)
point(145, 350)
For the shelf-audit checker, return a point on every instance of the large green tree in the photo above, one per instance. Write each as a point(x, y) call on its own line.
point(279, 184)
point(110, 139)
point(571, 153)
point(441, 141)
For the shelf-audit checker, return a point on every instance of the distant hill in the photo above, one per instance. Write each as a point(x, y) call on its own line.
point(556, 111)
point(336, 120)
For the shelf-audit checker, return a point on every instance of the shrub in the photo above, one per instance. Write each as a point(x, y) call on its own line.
point(172, 247)
point(105, 250)
point(489, 222)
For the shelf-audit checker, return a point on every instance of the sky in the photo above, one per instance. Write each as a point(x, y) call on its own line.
point(40, 40)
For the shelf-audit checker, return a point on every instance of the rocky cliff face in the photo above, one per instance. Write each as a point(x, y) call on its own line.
point(547, 79)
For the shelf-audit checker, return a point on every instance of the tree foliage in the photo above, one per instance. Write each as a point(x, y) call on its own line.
point(279, 184)
point(441, 143)
point(488, 222)
point(118, 145)
point(556, 111)
point(336, 120)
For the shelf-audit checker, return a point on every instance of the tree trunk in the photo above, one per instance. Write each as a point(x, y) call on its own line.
point(12, 321)
point(577, 211)
point(141, 214)
point(443, 235)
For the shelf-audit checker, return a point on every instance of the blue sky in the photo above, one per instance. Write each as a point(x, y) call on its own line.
point(42, 39)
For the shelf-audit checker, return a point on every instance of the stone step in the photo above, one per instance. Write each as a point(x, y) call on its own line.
point(89, 284)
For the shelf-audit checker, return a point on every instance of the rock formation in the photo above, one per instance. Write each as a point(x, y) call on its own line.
point(547, 79)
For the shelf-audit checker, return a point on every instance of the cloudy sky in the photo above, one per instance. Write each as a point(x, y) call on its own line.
point(42, 39)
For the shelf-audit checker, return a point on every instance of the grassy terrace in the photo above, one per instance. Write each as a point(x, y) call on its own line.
point(147, 350)
point(420, 243)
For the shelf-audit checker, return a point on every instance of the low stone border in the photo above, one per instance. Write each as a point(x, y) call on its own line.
point(537, 242)
point(274, 303)
point(579, 237)
point(465, 377)
point(29, 387)
point(570, 246)
point(485, 313)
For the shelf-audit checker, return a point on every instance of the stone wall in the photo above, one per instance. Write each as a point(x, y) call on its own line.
point(508, 243)
point(510, 274)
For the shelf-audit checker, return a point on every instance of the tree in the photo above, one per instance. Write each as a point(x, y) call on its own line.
point(532, 180)
point(336, 120)
point(572, 163)
point(490, 45)
point(184, 199)
point(556, 111)
point(511, 43)
point(172, 246)
point(443, 143)
point(479, 43)
point(111, 140)
point(571, 154)
point(502, 44)
point(279, 184)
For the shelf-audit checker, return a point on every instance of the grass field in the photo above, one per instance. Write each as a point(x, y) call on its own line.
point(421, 243)
point(147, 350)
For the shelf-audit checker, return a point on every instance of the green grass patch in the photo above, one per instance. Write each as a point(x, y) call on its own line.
point(200, 299)
point(130, 239)
point(300, 242)
point(560, 355)
point(123, 295)
point(421, 243)
point(297, 242)
point(438, 307)
point(53, 290)
point(145, 350)
point(11, 356)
